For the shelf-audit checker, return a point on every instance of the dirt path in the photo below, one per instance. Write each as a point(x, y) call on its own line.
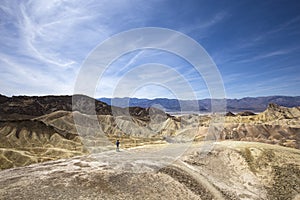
point(206, 185)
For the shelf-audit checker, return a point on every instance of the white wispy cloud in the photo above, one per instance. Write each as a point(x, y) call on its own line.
point(52, 39)
point(281, 27)
point(203, 25)
point(145, 79)
point(21, 79)
point(266, 55)
point(44, 43)
point(44, 30)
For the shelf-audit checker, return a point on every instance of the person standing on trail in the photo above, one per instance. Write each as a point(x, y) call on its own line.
point(117, 144)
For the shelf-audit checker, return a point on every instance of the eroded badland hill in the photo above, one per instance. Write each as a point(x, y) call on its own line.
point(250, 156)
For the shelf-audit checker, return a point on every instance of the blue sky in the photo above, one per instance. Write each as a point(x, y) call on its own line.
point(255, 45)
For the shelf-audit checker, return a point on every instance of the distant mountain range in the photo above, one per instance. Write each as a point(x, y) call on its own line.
point(254, 104)
point(28, 107)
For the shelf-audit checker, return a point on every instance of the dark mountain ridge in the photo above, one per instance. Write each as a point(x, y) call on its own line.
point(28, 107)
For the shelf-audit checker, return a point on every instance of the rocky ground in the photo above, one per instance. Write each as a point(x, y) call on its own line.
point(231, 170)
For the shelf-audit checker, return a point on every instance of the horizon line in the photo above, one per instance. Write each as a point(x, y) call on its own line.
point(205, 98)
